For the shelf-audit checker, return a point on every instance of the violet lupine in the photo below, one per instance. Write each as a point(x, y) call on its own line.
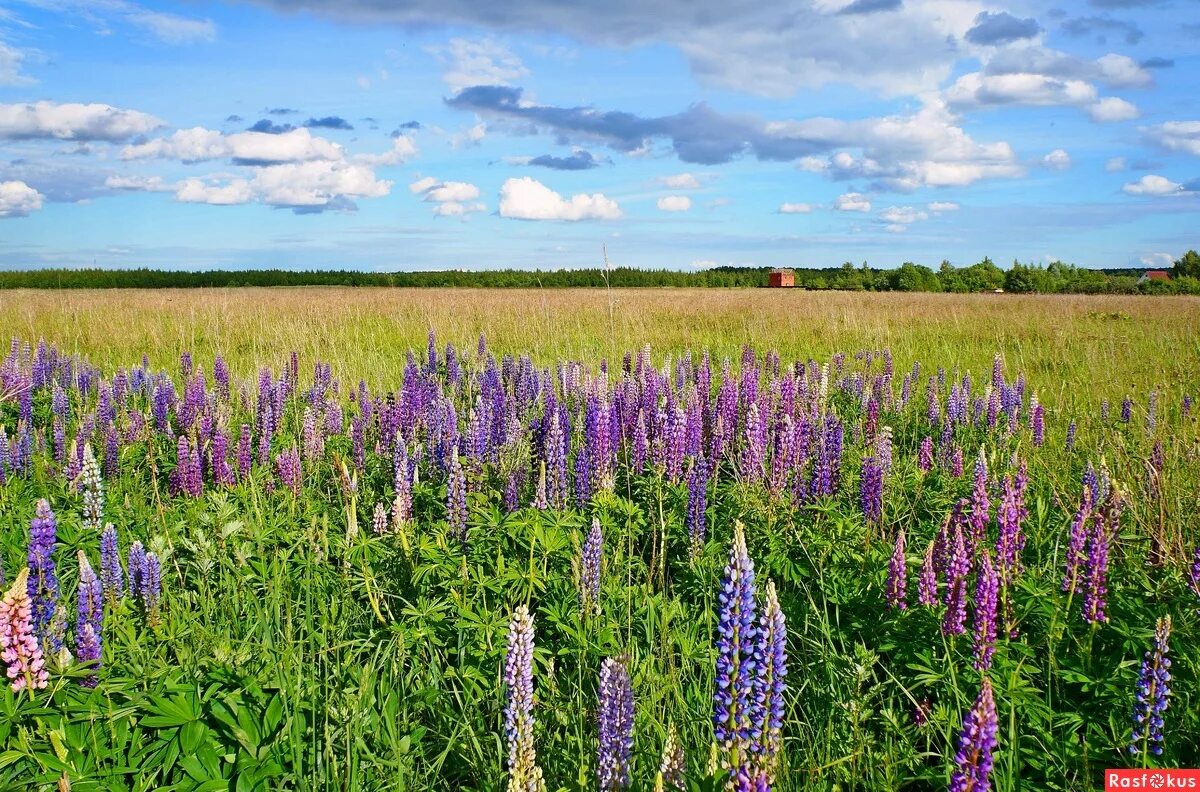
point(927, 582)
point(980, 504)
point(1126, 410)
point(925, 456)
point(1194, 573)
point(737, 648)
point(956, 463)
point(112, 577)
point(150, 588)
point(136, 566)
point(24, 663)
point(524, 775)
point(222, 473)
point(402, 481)
point(614, 717)
point(1077, 541)
point(1070, 443)
point(287, 466)
point(870, 492)
point(1038, 422)
point(957, 569)
point(590, 560)
point(43, 582)
point(672, 769)
point(897, 576)
point(696, 519)
point(1153, 693)
point(89, 622)
point(456, 499)
point(976, 744)
point(770, 685)
point(1095, 572)
point(987, 594)
point(245, 456)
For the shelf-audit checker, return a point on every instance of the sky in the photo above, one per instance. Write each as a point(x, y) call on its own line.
point(451, 134)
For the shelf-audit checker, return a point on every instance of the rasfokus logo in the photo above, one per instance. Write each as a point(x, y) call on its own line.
point(1151, 779)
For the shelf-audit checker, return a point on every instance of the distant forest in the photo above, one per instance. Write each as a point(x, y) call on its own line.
point(1056, 277)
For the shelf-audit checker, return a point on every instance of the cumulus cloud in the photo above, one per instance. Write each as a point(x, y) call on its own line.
point(852, 202)
point(18, 199)
point(480, 62)
point(1153, 185)
point(680, 181)
point(329, 122)
point(269, 127)
point(234, 192)
point(674, 203)
point(450, 198)
point(199, 144)
point(978, 89)
point(1112, 70)
point(1001, 28)
point(1057, 160)
point(403, 149)
point(937, 207)
point(302, 186)
point(529, 199)
point(902, 215)
point(138, 184)
point(795, 208)
point(1101, 27)
point(579, 159)
point(72, 121)
point(1176, 136)
point(1111, 108)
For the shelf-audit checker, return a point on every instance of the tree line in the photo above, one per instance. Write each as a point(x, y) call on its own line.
point(984, 276)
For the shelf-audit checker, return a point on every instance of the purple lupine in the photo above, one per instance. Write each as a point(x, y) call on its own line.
point(402, 481)
point(1038, 422)
point(1153, 693)
point(456, 499)
point(614, 715)
point(1010, 540)
point(524, 775)
point(980, 504)
point(976, 744)
point(1126, 410)
point(1194, 573)
point(925, 456)
point(754, 447)
point(870, 490)
point(927, 583)
point(244, 452)
point(150, 587)
point(957, 569)
point(1186, 408)
point(897, 576)
point(1070, 443)
point(287, 466)
point(737, 645)
point(696, 519)
point(222, 473)
point(590, 560)
point(112, 577)
point(1077, 541)
point(956, 463)
point(20, 651)
point(987, 591)
point(1095, 571)
point(43, 582)
point(136, 566)
point(770, 685)
point(89, 623)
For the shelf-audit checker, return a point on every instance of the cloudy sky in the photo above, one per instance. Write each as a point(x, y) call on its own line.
point(382, 135)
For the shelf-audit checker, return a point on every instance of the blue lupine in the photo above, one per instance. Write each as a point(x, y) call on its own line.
point(591, 558)
point(614, 716)
point(89, 623)
point(737, 649)
point(695, 519)
point(976, 744)
point(43, 582)
point(770, 686)
point(1153, 693)
point(112, 577)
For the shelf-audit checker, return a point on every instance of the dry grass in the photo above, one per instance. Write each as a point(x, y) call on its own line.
point(1100, 346)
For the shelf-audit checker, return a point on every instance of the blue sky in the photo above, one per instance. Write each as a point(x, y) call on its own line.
point(429, 134)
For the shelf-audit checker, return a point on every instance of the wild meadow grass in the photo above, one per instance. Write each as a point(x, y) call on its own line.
point(337, 588)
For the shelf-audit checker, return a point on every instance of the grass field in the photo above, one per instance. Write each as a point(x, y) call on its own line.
point(341, 563)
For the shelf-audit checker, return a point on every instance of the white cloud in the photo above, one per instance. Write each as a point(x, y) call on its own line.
point(1153, 185)
point(138, 184)
point(236, 191)
point(73, 122)
point(452, 198)
point(18, 199)
point(852, 202)
point(421, 185)
point(1176, 136)
point(895, 228)
point(705, 264)
point(943, 206)
point(174, 29)
point(680, 181)
point(795, 208)
point(1110, 109)
point(403, 149)
point(198, 144)
point(1115, 164)
point(456, 209)
point(317, 184)
point(1057, 160)
point(10, 66)
point(529, 199)
point(902, 215)
point(674, 203)
point(470, 137)
point(481, 62)
point(1158, 260)
point(452, 191)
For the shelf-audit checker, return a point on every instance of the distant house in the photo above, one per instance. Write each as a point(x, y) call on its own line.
point(1155, 275)
point(781, 279)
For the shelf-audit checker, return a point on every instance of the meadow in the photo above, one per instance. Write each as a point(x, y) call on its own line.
point(648, 539)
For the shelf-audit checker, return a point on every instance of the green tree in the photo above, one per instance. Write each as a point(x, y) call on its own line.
point(1187, 266)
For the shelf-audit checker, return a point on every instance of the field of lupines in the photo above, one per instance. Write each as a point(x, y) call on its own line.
point(648, 572)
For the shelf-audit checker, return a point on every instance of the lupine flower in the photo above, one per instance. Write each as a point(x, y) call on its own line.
point(870, 491)
point(137, 568)
point(987, 590)
point(89, 623)
point(456, 499)
point(379, 520)
point(976, 744)
point(590, 560)
point(770, 686)
point(673, 768)
point(615, 725)
point(287, 465)
point(1153, 692)
point(927, 593)
point(524, 775)
point(402, 481)
point(150, 587)
point(93, 490)
point(897, 577)
point(20, 651)
point(1126, 410)
point(957, 570)
point(925, 457)
point(1077, 541)
point(1095, 573)
point(696, 519)
point(737, 646)
point(1070, 444)
point(112, 578)
point(980, 504)
point(1194, 573)
point(956, 463)
point(43, 582)
point(244, 452)
point(1038, 423)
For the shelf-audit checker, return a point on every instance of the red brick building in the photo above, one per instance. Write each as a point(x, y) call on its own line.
point(781, 279)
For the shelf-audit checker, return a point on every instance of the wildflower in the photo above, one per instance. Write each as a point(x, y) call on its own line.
point(897, 578)
point(244, 452)
point(456, 498)
point(1153, 692)
point(402, 480)
point(287, 465)
point(1077, 541)
point(697, 505)
point(1096, 564)
point(976, 743)
point(673, 767)
point(925, 457)
point(737, 646)
point(927, 593)
point(1070, 444)
point(1194, 573)
point(589, 570)
point(93, 490)
point(379, 520)
point(615, 717)
point(43, 582)
point(19, 650)
point(770, 685)
point(112, 577)
point(151, 587)
point(980, 505)
point(957, 569)
point(137, 568)
point(987, 589)
point(871, 490)
point(524, 775)
point(89, 623)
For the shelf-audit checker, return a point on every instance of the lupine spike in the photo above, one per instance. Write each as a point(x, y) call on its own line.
point(976, 744)
point(736, 669)
point(20, 649)
point(524, 775)
point(615, 725)
point(1153, 693)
